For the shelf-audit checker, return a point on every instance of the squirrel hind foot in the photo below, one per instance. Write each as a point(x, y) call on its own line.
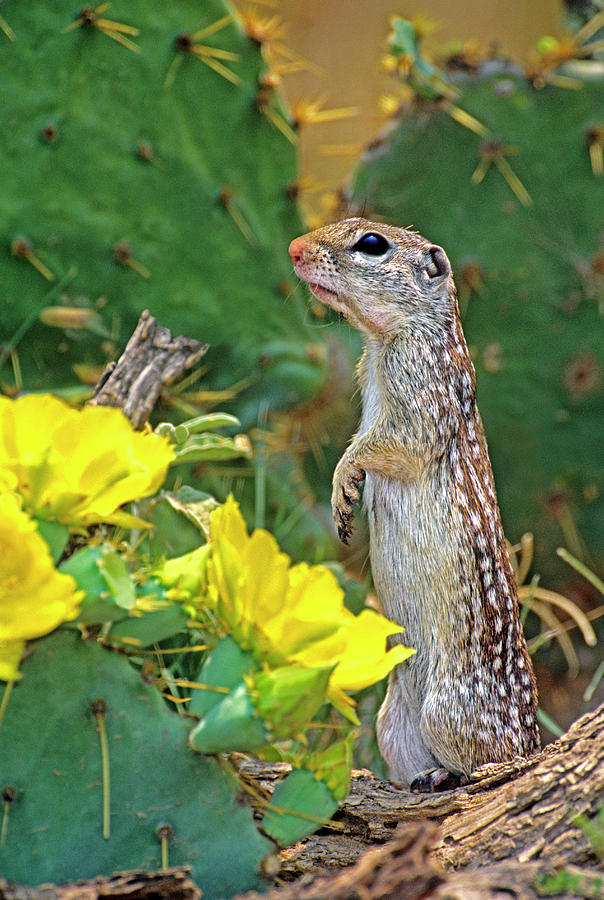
point(434, 780)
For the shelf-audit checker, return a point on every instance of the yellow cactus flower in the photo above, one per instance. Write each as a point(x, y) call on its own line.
point(78, 466)
point(34, 597)
point(269, 607)
point(360, 648)
point(291, 613)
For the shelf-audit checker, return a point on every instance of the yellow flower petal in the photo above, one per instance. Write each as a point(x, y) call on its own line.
point(325, 651)
point(224, 572)
point(10, 657)
point(8, 480)
point(77, 466)
point(311, 610)
point(34, 597)
point(365, 659)
point(226, 521)
point(265, 574)
point(120, 517)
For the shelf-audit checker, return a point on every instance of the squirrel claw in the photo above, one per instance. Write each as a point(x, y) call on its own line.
point(343, 524)
point(343, 518)
point(343, 535)
point(347, 478)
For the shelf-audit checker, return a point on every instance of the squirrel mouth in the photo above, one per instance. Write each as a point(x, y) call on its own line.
point(327, 296)
point(320, 290)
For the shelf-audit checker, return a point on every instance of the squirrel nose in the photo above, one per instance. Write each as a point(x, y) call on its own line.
point(296, 249)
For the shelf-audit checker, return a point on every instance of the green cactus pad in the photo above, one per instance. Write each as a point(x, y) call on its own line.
point(51, 756)
point(300, 803)
point(231, 724)
point(138, 182)
point(223, 668)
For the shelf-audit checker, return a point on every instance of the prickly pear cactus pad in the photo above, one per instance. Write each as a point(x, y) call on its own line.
point(57, 828)
point(140, 171)
point(518, 208)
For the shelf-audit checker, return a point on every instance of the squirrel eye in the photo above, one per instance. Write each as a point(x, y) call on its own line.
point(372, 244)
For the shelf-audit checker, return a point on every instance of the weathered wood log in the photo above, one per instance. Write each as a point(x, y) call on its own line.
point(151, 360)
point(513, 821)
point(402, 869)
point(171, 884)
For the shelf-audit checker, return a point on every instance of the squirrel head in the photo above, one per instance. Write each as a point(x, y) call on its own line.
point(382, 278)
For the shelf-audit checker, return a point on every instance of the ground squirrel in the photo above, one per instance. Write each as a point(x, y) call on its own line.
point(439, 559)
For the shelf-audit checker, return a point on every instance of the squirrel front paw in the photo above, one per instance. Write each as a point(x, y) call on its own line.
point(345, 494)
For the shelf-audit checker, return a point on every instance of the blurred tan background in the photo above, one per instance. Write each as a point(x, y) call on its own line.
point(345, 40)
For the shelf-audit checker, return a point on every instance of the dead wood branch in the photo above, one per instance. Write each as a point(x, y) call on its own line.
point(152, 360)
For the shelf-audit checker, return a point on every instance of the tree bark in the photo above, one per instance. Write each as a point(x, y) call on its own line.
point(152, 360)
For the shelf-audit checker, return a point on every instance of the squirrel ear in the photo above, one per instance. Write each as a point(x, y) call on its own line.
point(434, 262)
